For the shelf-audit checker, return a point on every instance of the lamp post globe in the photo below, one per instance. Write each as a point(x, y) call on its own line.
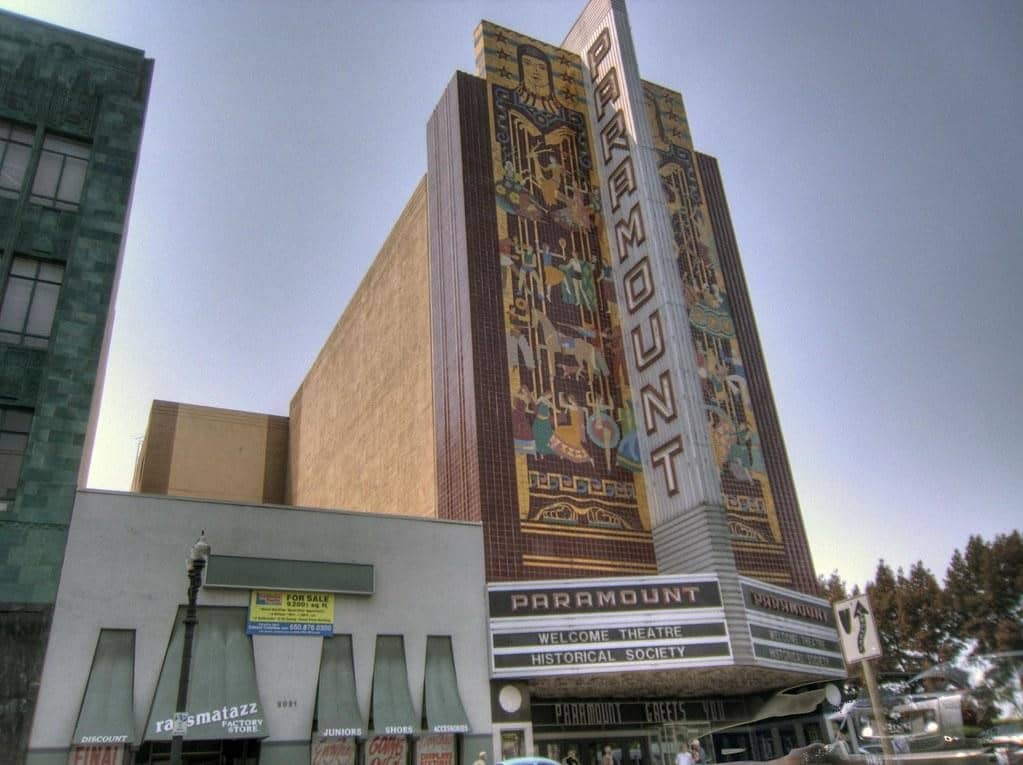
point(196, 563)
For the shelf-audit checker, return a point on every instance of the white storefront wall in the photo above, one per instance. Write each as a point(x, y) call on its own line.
point(125, 569)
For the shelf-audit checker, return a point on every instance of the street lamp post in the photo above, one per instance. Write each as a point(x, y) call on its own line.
point(196, 564)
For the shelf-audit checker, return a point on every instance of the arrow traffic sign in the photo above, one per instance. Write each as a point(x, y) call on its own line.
point(857, 630)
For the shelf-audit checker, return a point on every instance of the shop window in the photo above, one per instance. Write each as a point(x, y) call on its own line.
point(30, 301)
point(15, 153)
point(214, 752)
point(15, 424)
point(60, 174)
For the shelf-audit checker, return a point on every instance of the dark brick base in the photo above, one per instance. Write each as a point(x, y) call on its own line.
point(23, 633)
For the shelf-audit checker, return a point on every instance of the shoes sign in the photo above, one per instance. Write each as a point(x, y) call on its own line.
point(857, 629)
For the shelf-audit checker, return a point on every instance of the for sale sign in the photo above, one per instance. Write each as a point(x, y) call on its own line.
point(274, 612)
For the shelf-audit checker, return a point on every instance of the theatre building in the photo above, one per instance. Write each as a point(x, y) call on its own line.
point(553, 366)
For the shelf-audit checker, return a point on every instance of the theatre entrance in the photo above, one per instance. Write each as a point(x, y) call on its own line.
point(651, 746)
point(588, 748)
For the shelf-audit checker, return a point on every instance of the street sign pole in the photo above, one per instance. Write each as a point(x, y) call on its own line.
point(880, 719)
point(860, 643)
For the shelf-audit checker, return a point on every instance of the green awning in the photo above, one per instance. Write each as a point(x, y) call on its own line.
point(443, 711)
point(391, 712)
point(107, 715)
point(337, 706)
point(223, 698)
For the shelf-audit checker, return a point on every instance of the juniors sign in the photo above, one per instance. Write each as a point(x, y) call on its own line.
point(272, 612)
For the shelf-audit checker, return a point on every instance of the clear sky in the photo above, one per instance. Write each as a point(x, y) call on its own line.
point(871, 154)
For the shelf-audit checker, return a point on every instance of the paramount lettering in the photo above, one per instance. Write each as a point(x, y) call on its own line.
point(626, 229)
point(787, 606)
point(588, 714)
point(583, 599)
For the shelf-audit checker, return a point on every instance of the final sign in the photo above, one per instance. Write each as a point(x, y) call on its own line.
point(272, 612)
point(857, 630)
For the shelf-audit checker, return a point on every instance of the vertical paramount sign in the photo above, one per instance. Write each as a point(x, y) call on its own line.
point(658, 346)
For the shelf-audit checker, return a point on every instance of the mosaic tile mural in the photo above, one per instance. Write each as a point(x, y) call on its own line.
point(578, 468)
point(735, 439)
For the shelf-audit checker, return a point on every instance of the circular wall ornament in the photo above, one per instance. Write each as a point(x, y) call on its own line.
point(510, 699)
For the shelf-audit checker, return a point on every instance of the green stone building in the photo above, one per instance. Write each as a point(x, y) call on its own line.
point(71, 114)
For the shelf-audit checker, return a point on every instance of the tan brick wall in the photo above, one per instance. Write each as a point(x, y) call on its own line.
point(201, 451)
point(361, 434)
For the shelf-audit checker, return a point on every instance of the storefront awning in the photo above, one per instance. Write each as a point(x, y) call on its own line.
point(223, 699)
point(443, 711)
point(782, 705)
point(107, 714)
point(337, 706)
point(391, 711)
point(789, 704)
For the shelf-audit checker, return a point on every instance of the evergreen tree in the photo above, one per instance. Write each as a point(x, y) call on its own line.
point(984, 594)
point(833, 588)
point(922, 619)
point(883, 595)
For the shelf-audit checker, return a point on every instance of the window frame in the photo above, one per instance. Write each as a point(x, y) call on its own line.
point(55, 168)
point(22, 336)
point(64, 152)
point(7, 429)
point(13, 134)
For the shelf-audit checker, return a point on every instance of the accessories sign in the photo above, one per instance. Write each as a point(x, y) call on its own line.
point(274, 612)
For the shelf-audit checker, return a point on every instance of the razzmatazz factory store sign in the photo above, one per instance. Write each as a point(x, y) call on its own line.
point(606, 625)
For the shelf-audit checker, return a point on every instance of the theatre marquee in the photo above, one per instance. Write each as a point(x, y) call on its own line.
point(606, 625)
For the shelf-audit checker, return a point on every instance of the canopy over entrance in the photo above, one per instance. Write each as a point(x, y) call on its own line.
point(223, 699)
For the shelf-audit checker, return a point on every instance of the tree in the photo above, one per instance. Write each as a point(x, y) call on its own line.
point(984, 593)
point(974, 621)
point(883, 595)
point(922, 619)
point(833, 588)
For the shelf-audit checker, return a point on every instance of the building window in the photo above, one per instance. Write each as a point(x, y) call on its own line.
point(61, 173)
point(15, 153)
point(14, 427)
point(30, 301)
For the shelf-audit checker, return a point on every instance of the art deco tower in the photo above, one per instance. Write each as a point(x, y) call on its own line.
point(600, 393)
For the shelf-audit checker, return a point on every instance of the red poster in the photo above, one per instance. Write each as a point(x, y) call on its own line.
point(437, 749)
point(387, 750)
point(333, 751)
